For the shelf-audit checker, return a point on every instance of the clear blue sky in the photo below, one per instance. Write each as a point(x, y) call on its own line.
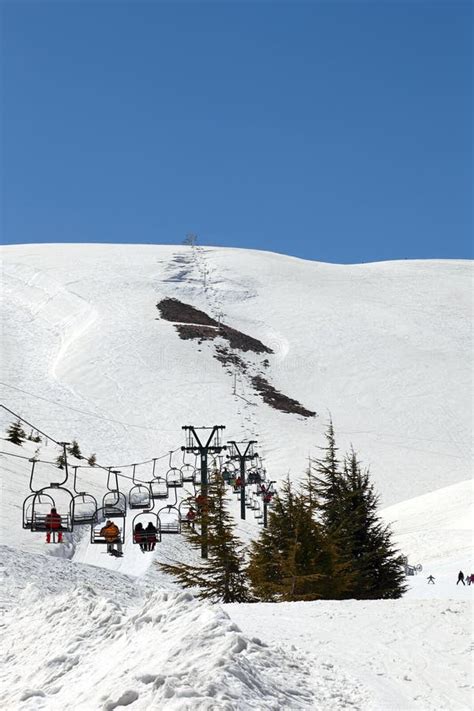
point(337, 131)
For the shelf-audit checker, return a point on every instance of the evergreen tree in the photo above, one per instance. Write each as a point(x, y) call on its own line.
point(324, 479)
point(220, 577)
point(16, 433)
point(60, 461)
point(92, 460)
point(294, 559)
point(376, 566)
point(347, 508)
point(74, 450)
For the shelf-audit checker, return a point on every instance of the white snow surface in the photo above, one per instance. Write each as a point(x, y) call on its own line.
point(386, 348)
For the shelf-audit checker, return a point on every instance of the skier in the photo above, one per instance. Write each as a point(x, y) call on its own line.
point(53, 525)
point(470, 579)
point(430, 579)
point(460, 578)
point(150, 535)
point(139, 536)
point(111, 533)
point(238, 483)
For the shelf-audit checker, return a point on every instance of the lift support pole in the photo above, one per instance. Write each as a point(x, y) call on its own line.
point(244, 455)
point(196, 446)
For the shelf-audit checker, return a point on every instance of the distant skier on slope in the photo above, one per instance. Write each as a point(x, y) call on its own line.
point(470, 579)
point(53, 525)
point(460, 578)
point(111, 534)
point(430, 579)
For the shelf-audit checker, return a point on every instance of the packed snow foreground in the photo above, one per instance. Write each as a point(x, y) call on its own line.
point(88, 632)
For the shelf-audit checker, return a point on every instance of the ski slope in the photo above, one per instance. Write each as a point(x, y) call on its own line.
point(383, 347)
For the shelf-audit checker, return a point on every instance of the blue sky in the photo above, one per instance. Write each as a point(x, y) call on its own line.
point(337, 131)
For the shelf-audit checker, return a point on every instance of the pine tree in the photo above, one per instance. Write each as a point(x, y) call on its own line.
point(220, 577)
point(325, 482)
point(60, 461)
point(375, 564)
point(294, 559)
point(15, 433)
point(92, 460)
point(74, 450)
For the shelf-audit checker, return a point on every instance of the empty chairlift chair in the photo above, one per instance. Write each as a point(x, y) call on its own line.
point(187, 472)
point(139, 496)
point(85, 508)
point(114, 504)
point(159, 488)
point(85, 505)
point(174, 478)
point(170, 520)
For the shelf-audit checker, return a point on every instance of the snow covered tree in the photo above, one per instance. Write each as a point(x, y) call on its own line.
point(74, 450)
point(15, 433)
point(221, 576)
point(92, 461)
point(60, 461)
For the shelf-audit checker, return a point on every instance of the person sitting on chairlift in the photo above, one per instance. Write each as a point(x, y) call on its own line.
point(53, 525)
point(111, 533)
point(238, 483)
point(139, 536)
point(150, 537)
point(191, 515)
point(200, 501)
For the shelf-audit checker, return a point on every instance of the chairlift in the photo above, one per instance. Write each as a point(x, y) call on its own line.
point(146, 540)
point(85, 505)
point(187, 472)
point(85, 508)
point(139, 496)
point(159, 488)
point(40, 517)
point(98, 525)
point(170, 521)
point(174, 477)
point(44, 504)
point(114, 502)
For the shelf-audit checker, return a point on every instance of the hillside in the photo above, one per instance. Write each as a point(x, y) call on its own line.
point(383, 347)
point(118, 347)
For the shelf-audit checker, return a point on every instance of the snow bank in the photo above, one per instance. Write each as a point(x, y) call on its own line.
point(91, 647)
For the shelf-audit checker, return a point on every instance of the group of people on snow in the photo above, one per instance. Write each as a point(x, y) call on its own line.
point(461, 578)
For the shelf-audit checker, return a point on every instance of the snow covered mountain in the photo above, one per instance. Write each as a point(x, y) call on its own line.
point(258, 342)
point(385, 348)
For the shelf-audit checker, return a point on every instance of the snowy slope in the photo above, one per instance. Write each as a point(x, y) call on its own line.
point(383, 347)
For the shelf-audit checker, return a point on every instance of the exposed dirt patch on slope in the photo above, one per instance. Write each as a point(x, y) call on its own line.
point(194, 324)
point(277, 400)
point(174, 310)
